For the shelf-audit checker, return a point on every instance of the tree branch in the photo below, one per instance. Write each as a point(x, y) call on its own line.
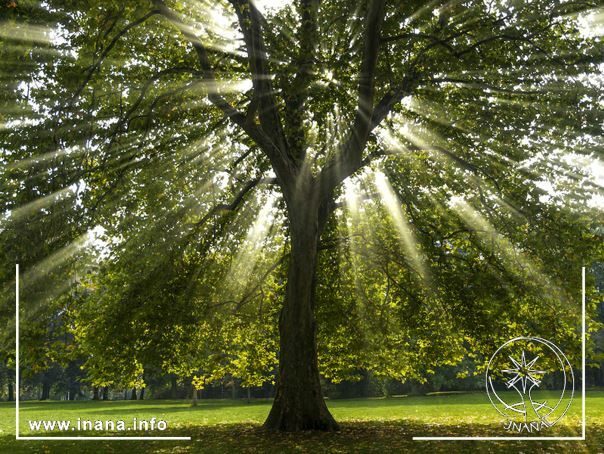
point(435, 39)
point(461, 162)
point(502, 37)
point(348, 159)
point(96, 65)
point(480, 84)
point(234, 204)
point(250, 22)
point(281, 164)
point(173, 70)
point(393, 97)
point(296, 93)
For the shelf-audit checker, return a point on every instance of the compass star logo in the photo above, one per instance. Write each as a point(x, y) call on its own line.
point(515, 375)
point(524, 372)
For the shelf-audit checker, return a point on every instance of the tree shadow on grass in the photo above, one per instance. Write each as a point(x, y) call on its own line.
point(212, 405)
point(407, 401)
point(435, 399)
point(183, 407)
point(124, 409)
point(358, 437)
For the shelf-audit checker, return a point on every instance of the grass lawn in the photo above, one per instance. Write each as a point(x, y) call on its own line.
point(367, 425)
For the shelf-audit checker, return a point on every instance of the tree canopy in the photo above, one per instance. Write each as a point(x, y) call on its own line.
point(355, 186)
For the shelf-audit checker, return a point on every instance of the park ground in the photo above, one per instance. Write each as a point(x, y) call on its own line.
point(367, 425)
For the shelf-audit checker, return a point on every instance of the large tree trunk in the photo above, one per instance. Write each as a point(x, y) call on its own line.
point(11, 391)
point(299, 403)
point(133, 395)
point(95, 393)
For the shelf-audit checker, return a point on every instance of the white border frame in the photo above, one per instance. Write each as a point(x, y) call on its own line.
point(583, 420)
point(19, 437)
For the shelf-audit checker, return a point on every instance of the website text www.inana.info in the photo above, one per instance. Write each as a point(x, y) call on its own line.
point(79, 424)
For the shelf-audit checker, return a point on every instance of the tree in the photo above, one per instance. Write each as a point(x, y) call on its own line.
point(336, 87)
point(41, 241)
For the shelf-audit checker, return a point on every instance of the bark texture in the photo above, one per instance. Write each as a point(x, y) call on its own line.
point(299, 403)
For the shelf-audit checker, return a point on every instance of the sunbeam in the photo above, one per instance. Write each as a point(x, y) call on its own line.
point(512, 258)
point(251, 250)
point(352, 220)
point(412, 250)
point(53, 261)
point(10, 30)
point(433, 112)
point(43, 158)
point(31, 208)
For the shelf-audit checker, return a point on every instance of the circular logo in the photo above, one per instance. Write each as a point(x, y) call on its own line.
point(530, 382)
